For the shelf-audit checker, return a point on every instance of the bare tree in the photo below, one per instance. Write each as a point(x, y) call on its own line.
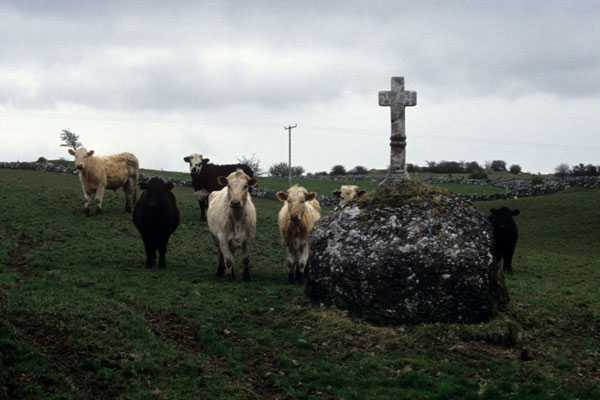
point(69, 139)
point(562, 170)
point(253, 163)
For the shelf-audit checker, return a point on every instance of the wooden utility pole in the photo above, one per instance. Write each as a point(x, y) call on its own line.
point(289, 129)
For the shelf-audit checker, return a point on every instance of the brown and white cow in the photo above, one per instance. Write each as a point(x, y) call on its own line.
point(232, 221)
point(296, 219)
point(110, 172)
point(348, 193)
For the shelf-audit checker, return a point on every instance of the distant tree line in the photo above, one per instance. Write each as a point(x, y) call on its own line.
point(577, 170)
point(464, 167)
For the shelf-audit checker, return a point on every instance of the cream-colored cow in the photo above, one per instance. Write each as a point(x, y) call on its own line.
point(110, 172)
point(232, 221)
point(296, 219)
point(348, 193)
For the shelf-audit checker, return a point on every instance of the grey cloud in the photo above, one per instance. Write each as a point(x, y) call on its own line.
point(480, 49)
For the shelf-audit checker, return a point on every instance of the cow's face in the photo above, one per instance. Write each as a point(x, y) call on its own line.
point(81, 157)
point(348, 193)
point(502, 217)
point(295, 199)
point(196, 162)
point(155, 190)
point(237, 184)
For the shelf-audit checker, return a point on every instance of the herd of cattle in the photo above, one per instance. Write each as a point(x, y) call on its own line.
point(224, 196)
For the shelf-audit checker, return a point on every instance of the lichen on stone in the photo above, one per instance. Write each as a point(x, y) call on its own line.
point(411, 254)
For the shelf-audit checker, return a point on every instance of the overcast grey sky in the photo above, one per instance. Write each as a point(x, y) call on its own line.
point(513, 80)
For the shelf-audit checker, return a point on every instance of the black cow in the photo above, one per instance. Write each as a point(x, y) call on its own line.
point(204, 178)
point(156, 217)
point(505, 235)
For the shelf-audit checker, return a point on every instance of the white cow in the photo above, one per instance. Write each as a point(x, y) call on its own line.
point(296, 219)
point(232, 221)
point(348, 193)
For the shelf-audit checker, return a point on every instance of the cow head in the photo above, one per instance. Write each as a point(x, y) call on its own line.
point(348, 193)
point(81, 157)
point(295, 199)
point(196, 162)
point(237, 184)
point(155, 189)
point(502, 216)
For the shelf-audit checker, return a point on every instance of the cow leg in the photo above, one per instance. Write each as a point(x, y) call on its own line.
point(150, 252)
point(507, 255)
point(246, 260)
point(302, 261)
point(289, 255)
point(162, 252)
point(88, 197)
point(99, 198)
point(221, 266)
point(203, 207)
point(129, 189)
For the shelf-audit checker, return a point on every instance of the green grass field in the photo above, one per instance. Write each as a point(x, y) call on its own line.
point(82, 318)
point(325, 187)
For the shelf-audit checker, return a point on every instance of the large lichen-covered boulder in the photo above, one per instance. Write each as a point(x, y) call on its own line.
point(412, 254)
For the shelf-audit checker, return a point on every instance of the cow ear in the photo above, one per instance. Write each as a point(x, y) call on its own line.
point(252, 181)
point(90, 153)
point(515, 212)
point(337, 193)
point(205, 160)
point(186, 159)
point(310, 196)
point(361, 192)
point(494, 211)
point(222, 180)
point(143, 185)
point(282, 196)
point(71, 152)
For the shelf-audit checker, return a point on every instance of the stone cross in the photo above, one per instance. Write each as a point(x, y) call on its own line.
point(397, 99)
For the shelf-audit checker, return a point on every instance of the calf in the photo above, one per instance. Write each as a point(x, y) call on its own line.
point(505, 235)
point(232, 221)
point(204, 178)
point(296, 219)
point(110, 172)
point(348, 193)
point(156, 217)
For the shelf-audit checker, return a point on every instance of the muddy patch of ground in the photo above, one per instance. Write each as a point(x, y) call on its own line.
point(43, 333)
point(18, 255)
point(171, 327)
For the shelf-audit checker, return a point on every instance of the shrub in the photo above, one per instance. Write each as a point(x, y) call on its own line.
point(515, 169)
point(358, 170)
point(281, 169)
point(562, 170)
point(478, 175)
point(297, 170)
point(42, 160)
point(338, 170)
point(537, 180)
point(498, 166)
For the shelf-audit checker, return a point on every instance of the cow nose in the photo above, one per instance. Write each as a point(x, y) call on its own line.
point(80, 167)
point(235, 203)
point(295, 217)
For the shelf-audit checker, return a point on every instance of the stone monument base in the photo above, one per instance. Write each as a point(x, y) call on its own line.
point(405, 255)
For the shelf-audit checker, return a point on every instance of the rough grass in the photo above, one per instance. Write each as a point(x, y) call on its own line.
point(81, 318)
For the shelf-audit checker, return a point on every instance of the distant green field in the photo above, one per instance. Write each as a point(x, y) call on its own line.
point(326, 186)
point(82, 318)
